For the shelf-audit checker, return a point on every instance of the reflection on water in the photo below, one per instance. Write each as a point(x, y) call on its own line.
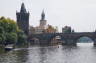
point(85, 44)
point(19, 56)
point(52, 54)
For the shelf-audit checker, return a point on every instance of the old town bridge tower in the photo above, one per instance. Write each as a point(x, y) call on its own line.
point(23, 19)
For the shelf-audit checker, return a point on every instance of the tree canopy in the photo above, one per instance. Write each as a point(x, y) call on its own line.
point(51, 29)
point(9, 31)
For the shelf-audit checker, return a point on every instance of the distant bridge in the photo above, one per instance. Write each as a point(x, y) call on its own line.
point(64, 38)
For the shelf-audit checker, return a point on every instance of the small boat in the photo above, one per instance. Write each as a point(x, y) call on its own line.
point(8, 47)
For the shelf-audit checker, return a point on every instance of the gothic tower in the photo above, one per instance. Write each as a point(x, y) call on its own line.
point(23, 19)
point(43, 21)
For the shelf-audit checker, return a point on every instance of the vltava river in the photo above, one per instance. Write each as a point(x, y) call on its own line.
point(52, 54)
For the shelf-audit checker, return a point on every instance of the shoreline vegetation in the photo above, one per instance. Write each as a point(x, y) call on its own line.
point(11, 34)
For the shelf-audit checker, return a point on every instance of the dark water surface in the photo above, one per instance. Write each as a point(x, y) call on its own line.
point(83, 53)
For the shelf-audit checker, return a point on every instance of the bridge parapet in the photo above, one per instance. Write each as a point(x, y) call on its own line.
point(69, 38)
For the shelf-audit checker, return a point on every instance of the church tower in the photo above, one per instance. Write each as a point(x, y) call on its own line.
point(23, 19)
point(43, 21)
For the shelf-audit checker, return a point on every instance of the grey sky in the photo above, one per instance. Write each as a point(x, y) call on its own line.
point(79, 14)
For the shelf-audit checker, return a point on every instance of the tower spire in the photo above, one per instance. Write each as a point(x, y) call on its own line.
point(23, 9)
point(43, 15)
point(23, 19)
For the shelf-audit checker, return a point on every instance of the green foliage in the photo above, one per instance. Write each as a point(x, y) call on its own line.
point(11, 37)
point(51, 29)
point(8, 25)
point(22, 38)
point(2, 38)
point(9, 32)
point(1, 30)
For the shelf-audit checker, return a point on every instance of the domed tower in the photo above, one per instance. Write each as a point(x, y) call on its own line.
point(43, 21)
point(23, 19)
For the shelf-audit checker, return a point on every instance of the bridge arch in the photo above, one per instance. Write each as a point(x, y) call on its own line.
point(35, 41)
point(86, 38)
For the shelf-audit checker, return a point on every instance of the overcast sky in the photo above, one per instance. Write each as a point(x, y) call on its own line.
point(79, 14)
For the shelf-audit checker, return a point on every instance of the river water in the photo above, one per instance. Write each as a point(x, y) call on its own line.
point(82, 53)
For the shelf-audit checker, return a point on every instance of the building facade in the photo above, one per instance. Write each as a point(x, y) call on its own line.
point(66, 29)
point(42, 26)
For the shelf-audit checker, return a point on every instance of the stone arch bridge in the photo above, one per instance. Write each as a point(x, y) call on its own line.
point(65, 38)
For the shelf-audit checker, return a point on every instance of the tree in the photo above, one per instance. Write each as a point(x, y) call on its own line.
point(9, 32)
point(1, 30)
point(51, 29)
point(8, 25)
point(11, 38)
point(2, 36)
point(22, 38)
point(2, 39)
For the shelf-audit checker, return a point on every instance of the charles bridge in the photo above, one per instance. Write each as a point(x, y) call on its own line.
point(64, 38)
point(49, 38)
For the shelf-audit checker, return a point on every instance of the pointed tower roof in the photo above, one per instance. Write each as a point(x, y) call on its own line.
point(23, 9)
point(43, 15)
